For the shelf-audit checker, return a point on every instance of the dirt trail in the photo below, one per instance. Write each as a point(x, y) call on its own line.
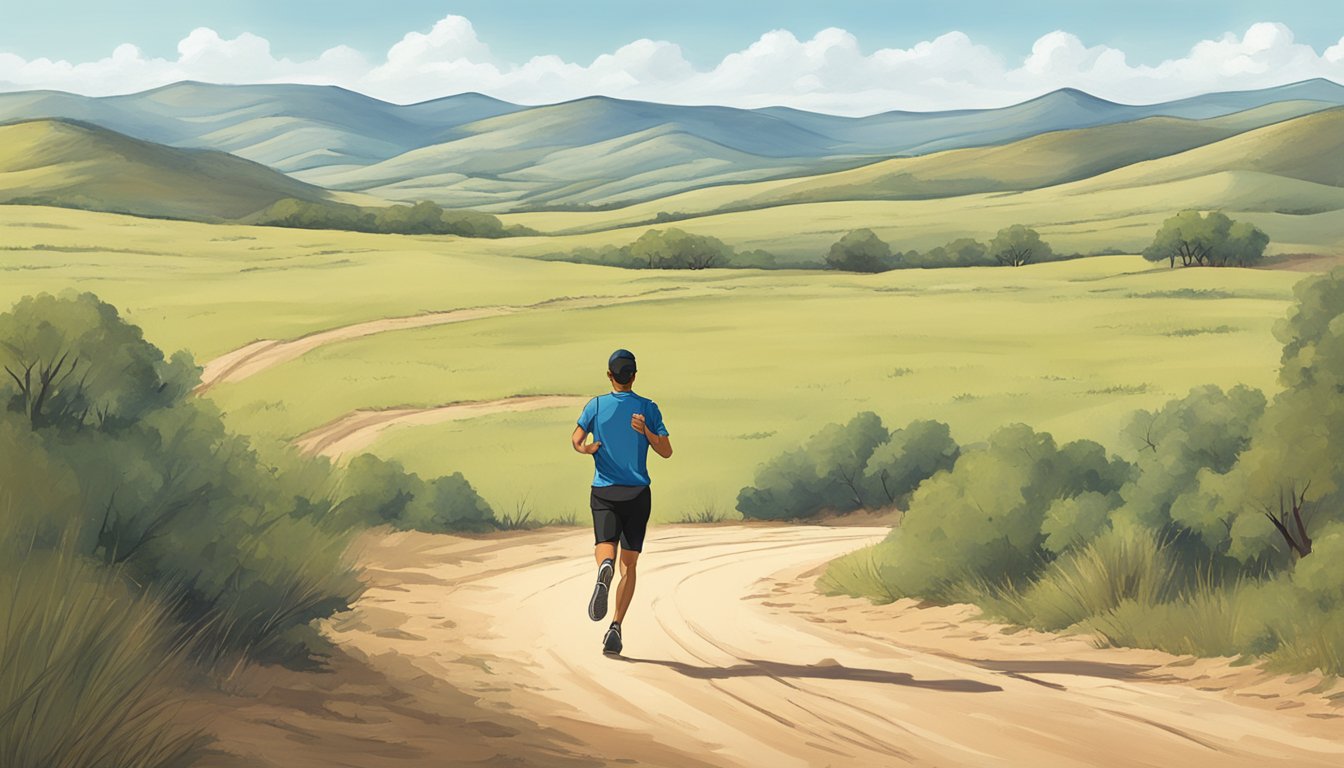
point(356, 431)
point(733, 660)
point(258, 356)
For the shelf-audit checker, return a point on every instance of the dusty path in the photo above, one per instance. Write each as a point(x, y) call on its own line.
point(260, 355)
point(733, 660)
point(356, 431)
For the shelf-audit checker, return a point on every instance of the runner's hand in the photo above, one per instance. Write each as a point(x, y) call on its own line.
point(637, 424)
point(590, 448)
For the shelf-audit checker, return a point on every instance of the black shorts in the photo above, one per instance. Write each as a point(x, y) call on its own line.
point(621, 512)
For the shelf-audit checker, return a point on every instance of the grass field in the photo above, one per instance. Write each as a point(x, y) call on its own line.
point(745, 364)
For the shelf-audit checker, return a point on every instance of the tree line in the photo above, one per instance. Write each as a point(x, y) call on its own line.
point(422, 218)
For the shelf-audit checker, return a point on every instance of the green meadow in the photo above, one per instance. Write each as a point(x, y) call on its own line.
point(745, 364)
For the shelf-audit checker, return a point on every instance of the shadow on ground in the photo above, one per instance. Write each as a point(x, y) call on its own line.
point(821, 671)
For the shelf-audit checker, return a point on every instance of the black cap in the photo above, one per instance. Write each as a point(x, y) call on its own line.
point(621, 364)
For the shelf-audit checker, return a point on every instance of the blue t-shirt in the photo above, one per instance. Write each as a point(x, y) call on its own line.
point(622, 459)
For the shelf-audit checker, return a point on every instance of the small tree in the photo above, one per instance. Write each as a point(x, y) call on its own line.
point(676, 249)
point(859, 251)
point(1017, 245)
point(1244, 246)
point(1210, 239)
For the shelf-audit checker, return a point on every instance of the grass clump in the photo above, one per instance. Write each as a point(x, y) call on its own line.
point(89, 669)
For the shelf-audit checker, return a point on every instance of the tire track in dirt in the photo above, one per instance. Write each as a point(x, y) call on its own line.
point(732, 658)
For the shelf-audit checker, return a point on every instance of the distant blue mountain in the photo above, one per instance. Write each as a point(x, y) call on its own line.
point(471, 149)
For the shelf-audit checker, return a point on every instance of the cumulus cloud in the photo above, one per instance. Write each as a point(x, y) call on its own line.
point(829, 72)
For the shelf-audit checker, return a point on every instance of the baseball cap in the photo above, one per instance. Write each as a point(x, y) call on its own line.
point(621, 364)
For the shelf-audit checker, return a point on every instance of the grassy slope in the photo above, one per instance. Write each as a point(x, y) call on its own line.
point(92, 167)
point(1069, 347)
point(1286, 169)
point(745, 363)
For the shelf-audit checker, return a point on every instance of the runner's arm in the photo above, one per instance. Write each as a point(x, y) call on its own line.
point(576, 439)
point(661, 444)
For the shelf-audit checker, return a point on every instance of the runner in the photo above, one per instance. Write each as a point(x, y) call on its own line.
point(620, 498)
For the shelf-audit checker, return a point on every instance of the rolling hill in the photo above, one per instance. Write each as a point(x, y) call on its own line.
point(288, 127)
point(472, 150)
point(73, 164)
point(1135, 154)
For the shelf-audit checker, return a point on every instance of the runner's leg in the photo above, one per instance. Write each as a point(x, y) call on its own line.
point(626, 589)
point(634, 524)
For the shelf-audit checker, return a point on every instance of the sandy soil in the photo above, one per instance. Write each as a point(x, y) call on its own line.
point(356, 431)
point(251, 359)
point(733, 659)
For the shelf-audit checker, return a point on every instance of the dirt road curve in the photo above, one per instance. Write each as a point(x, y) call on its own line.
point(356, 431)
point(733, 660)
point(249, 360)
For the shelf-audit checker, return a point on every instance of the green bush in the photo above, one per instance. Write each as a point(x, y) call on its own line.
point(150, 482)
point(983, 520)
point(909, 457)
point(860, 251)
point(1246, 499)
point(449, 504)
point(844, 467)
point(962, 252)
point(825, 475)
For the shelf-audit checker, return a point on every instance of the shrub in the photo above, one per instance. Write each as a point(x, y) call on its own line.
point(827, 474)
point(844, 467)
point(860, 251)
point(153, 484)
point(449, 504)
point(983, 520)
point(908, 458)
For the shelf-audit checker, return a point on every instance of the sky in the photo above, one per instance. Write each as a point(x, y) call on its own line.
point(837, 56)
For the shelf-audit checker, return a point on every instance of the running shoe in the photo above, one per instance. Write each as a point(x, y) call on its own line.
point(611, 644)
point(597, 604)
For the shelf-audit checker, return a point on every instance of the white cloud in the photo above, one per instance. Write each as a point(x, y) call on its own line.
point(828, 72)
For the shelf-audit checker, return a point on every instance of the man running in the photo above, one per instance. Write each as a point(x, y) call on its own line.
point(620, 499)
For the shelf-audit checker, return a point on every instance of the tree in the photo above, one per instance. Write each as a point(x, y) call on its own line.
point(965, 252)
point(1244, 247)
point(859, 251)
point(1287, 486)
point(1017, 245)
point(1210, 239)
point(72, 361)
point(675, 249)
